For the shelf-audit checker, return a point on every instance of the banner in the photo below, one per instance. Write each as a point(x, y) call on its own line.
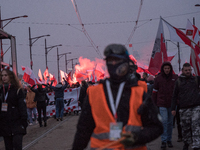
point(70, 102)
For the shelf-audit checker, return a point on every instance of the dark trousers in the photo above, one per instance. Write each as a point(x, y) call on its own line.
point(178, 122)
point(13, 142)
point(41, 107)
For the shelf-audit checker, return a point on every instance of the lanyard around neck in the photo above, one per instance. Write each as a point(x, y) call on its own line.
point(111, 99)
point(5, 95)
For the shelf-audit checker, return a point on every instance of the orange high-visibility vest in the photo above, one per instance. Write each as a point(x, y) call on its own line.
point(143, 84)
point(103, 116)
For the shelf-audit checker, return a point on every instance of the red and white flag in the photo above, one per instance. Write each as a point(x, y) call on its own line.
point(40, 75)
point(171, 55)
point(46, 75)
point(52, 77)
point(63, 75)
point(177, 35)
point(159, 53)
point(29, 76)
point(193, 33)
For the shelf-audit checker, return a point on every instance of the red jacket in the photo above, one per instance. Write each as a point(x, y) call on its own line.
point(163, 87)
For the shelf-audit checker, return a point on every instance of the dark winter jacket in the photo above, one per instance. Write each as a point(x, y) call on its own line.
point(40, 93)
point(59, 89)
point(14, 121)
point(186, 92)
point(150, 87)
point(163, 87)
point(152, 127)
point(82, 94)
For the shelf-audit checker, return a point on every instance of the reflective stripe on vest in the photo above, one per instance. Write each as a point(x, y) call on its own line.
point(102, 116)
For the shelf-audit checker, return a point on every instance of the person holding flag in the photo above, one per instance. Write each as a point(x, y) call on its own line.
point(59, 98)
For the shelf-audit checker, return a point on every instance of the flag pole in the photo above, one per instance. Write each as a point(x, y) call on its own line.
point(181, 33)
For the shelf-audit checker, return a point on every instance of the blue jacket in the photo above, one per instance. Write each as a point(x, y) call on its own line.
point(59, 89)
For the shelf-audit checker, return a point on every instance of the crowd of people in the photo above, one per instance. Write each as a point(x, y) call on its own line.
point(124, 111)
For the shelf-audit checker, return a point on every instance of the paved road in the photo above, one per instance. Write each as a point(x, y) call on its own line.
point(58, 135)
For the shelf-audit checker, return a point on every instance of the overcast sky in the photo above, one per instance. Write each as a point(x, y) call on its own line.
point(106, 21)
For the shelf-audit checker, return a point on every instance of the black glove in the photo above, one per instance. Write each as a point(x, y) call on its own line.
point(130, 139)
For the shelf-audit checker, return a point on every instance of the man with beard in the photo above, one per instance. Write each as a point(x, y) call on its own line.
point(186, 91)
point(116, 114)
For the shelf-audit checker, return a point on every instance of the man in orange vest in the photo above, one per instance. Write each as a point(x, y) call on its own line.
point(116, 114)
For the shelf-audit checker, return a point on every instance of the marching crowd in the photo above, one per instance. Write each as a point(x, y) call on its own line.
point(124, 111)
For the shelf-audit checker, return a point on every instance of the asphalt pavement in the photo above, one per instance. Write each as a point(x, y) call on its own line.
point(59, 135)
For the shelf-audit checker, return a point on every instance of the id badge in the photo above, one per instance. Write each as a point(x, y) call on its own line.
point(115, 131)
point(4, 107)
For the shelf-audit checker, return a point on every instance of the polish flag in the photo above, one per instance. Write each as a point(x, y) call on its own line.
point(40, 75)
point(52, 77)
point(195, 50)
point(46, 75)
point(63, 75)
point(159, 53)
point(29, 76)
point(177, 35)
point(171, 55)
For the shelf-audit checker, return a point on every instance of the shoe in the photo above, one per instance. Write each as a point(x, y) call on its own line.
point(169, 144)
point(30, 124)
point(45, 124)
point(36, 122)
point(61, 119)
point(185, 146)
point(163, 145)
point(179, 139)
point(57, 119)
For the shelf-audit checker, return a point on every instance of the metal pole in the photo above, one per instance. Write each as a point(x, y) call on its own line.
point(46, 52)
point(1, 25)
point(66, 62)
point(30, 44)
point(58, 65)
point(179, 59)
point(72, 64)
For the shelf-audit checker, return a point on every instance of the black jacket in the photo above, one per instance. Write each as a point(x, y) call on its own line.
point(14, 121)
point(149, 115)
point(186, 92)
point(40, 94)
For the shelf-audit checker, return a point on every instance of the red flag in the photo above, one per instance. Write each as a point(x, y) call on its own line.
point(159, 53)
point(29, 76)
point(46, 75)
point(52, 77)
point(130, 45)
point(40, 75)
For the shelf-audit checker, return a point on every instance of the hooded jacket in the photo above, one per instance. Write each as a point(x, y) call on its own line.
point(59, 89)
point(163, 87)
point(40, 93)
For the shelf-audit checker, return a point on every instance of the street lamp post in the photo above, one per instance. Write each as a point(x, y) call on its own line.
point(31, 44)
point(72, 62)
point(50, 48)
point(58, 58)
point(179, 57)
point(2, 26)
